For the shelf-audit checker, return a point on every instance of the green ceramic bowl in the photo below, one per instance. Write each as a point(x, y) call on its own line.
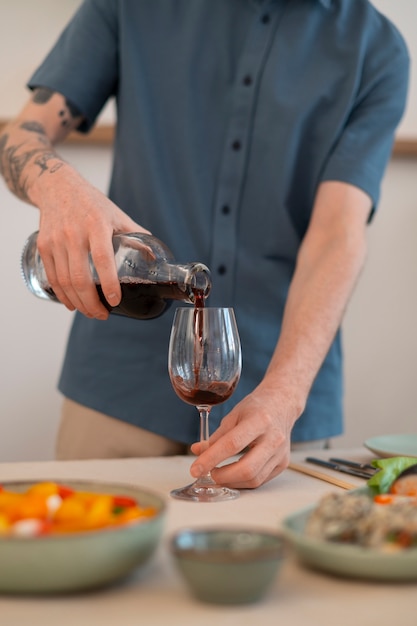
point(82, 560)
point(227, 565)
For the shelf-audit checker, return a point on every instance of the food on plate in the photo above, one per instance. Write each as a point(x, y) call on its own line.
point(362, 520)
point(46, 508)
point(385, 518)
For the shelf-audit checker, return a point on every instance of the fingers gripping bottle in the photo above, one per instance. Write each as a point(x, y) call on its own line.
point(150, 279)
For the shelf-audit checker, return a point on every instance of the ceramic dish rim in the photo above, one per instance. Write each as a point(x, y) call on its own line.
point(356, 555)
point(371, 443)
point(213, 555)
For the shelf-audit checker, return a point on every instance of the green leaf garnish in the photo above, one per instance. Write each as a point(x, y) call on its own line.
point(389, 470)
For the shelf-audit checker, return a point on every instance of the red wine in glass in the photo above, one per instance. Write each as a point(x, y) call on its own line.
point(204, 364)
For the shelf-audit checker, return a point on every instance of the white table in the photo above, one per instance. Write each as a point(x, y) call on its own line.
point(156, 596)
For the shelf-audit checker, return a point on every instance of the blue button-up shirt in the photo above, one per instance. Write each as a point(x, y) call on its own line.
point(229, 115)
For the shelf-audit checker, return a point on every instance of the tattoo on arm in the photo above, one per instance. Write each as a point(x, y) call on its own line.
point(33, 127)
point(13, 163)
point(67, 114)
point(37, 149)
point(42, 95)
point(43, 159)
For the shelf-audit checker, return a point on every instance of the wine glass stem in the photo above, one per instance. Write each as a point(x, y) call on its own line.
point(204, 438)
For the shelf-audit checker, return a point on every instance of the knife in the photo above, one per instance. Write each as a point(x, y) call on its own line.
point(339, 468)
point(362, 466)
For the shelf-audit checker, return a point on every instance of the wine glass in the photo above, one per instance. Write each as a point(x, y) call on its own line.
point(204, 364)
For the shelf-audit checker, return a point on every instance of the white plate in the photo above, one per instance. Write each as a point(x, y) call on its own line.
point(347, 560)
point(393, 445)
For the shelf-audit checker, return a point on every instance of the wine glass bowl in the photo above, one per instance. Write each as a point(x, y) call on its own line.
point(204, 364)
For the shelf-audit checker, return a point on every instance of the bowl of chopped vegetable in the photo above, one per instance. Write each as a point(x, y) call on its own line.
point(368, 533)
point(64, 537)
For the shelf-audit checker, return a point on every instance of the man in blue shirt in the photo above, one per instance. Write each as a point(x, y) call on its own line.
point(251, 135)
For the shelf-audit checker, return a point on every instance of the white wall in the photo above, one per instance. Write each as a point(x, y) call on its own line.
point(380, 334)
point(404, 14)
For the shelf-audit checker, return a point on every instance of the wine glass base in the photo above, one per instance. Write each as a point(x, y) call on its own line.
point(205, 493)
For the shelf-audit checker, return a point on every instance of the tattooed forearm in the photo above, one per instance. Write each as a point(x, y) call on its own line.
point(13, 160)
point(12, 166)
point(27, 144)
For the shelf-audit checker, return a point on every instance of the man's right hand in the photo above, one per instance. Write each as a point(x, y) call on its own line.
point(76, 219)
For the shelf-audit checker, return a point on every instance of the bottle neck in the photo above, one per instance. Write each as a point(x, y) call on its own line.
point(196, 281)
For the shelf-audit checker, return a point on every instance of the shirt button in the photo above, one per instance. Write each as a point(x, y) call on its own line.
point(247, 80)
point(236, 145)
point(225, 209)
point(221, 270)
point(265, 19)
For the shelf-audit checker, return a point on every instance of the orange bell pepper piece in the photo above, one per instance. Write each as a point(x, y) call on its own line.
point(43, 489)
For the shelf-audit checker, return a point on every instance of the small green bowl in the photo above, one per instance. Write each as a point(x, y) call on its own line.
point(228, 565)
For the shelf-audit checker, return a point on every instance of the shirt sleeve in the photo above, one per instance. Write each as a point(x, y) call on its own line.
point(83, 63)
point(362, 151)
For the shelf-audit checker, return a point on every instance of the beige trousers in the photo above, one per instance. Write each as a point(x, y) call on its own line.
point(87, 434)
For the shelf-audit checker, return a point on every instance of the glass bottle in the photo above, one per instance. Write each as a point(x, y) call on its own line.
point(149, 277)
